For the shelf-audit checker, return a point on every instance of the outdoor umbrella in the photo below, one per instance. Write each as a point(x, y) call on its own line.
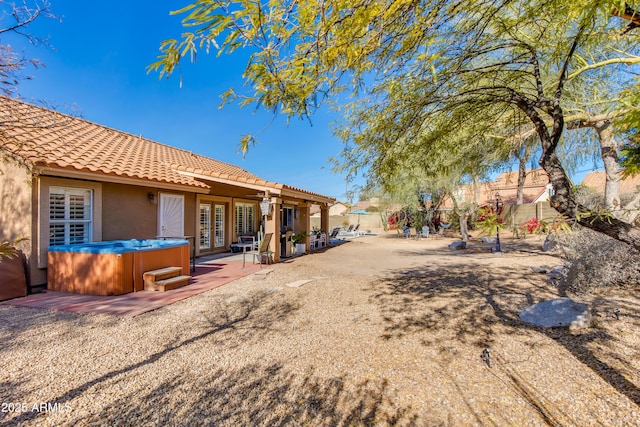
point(359, 212)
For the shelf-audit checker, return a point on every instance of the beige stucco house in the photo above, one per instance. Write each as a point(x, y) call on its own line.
point(74, 181)
point(535, 189)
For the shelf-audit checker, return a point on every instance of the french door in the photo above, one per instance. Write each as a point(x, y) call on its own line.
point(218, 226)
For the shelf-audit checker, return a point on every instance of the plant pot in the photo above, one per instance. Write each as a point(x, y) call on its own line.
point(300, 248)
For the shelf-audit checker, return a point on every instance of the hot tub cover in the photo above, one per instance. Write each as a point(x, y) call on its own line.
point(119, 246)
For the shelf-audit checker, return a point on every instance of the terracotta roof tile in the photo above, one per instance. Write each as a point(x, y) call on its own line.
point(59, 140)
point(507, 185)
point(596, 180)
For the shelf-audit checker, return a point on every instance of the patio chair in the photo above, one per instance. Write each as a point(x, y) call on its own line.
point(263, 250)
point(248, 239)
point(424, 233)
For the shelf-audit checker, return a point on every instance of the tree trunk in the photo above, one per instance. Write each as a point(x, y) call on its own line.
point(464, 229)
point(522, 175)
point(609, 151)
point(523, 157)
point(476, 190)
point(564, 202)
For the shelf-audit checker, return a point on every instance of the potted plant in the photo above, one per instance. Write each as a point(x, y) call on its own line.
point(298, 241)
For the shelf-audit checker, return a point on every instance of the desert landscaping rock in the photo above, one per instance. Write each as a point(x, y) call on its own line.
point(556, 312)
point(458, 245)
point(298, 283)
point(543, 269)
point(390, 332)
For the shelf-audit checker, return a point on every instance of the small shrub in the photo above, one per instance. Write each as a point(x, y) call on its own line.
point(540, 226)
point(596, 261)
point(489, 221)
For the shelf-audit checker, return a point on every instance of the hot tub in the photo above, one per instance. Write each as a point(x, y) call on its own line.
point(113, 267)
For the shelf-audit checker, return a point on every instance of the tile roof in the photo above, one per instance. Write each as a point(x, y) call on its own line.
point(596, 180)
point(506, 184)
point(49, 138)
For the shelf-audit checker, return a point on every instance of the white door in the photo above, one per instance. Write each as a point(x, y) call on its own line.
point(171, 215)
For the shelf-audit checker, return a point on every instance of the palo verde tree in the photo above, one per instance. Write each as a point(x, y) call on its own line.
point(414, 63)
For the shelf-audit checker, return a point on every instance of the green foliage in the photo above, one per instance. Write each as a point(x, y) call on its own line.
point(299, 237)
point(437, 88)
point(8, 250)
point(488, 221)
point(630, 162)
point(541, 226)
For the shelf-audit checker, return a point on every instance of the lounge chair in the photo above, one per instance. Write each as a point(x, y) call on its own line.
point(346, 231)
point(334, 234)
point(424, 233)
point(263, 250)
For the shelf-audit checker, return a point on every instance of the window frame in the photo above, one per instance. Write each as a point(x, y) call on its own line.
point(244, 218)
point(68, 221)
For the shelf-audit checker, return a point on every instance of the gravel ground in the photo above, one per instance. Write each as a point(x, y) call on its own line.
point(388, 332)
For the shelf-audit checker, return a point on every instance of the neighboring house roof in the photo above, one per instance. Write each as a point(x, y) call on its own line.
point(597, 181)
point(506, 184)
point(362, 204)
point(50, 139)
point(338, 208)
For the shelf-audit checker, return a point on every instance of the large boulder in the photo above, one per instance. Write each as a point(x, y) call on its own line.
point(557, 312)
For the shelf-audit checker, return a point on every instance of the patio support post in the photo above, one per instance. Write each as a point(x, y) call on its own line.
point(305, 223)
point(272, 225)
point(324, 218)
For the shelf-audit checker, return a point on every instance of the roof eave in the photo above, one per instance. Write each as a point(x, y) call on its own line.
point(96, 176)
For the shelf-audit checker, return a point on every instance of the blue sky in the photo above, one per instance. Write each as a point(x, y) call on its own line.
point(98, 65)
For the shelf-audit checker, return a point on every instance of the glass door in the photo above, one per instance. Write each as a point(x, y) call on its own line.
point(205, 226)
point(218, 231)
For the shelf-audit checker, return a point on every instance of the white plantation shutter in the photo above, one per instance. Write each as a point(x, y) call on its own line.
point(250, 215)
point(239, 223)
point(69, 216)
point(245, 218)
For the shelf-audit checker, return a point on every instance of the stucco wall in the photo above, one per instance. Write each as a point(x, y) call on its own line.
point(15, 203)
point(16, 219)
point(372, 222)
point(128, 213)
point(517, 214)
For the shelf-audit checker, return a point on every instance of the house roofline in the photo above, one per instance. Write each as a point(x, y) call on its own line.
point(93, 176)
point(273, 188)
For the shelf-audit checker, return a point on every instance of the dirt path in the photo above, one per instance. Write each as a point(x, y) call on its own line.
point(387, 331)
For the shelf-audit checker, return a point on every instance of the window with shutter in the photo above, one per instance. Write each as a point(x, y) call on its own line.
point(69, 216)
point(245, 218)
